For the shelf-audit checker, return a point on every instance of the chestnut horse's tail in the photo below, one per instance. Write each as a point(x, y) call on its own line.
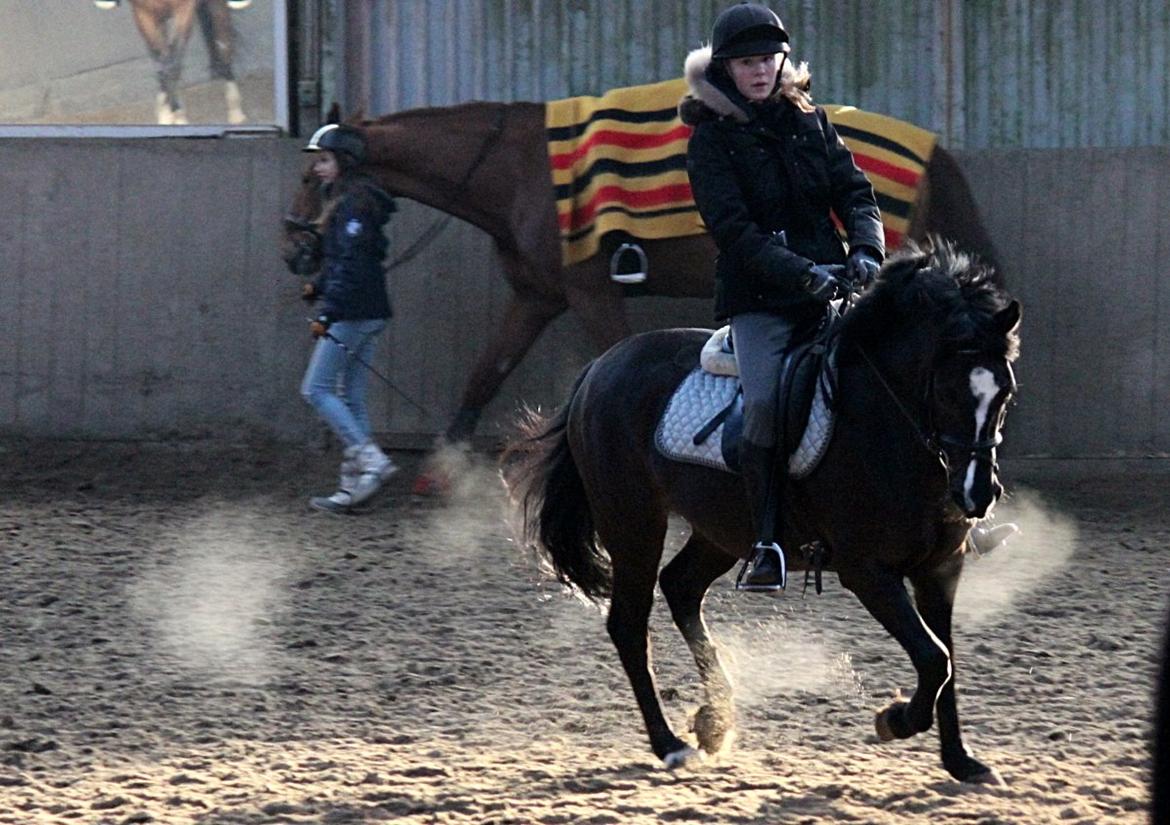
point(544, 482)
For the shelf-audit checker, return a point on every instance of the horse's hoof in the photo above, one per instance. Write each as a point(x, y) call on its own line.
point(884, 722)
point(988, 776)
point(712, 728)
point(973, 772)
point(684, 758)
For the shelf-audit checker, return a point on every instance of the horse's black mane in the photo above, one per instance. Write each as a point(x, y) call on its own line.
point(935, 283)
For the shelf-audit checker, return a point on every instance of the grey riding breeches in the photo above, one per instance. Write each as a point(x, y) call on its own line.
point(761, 340)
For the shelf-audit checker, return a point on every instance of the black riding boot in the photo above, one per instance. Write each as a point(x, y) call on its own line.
point(767, 570)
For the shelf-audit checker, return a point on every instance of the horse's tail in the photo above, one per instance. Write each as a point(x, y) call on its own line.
point(545, 484)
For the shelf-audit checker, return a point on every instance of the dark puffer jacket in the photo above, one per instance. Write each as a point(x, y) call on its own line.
point(761, 170)
point(352, 282)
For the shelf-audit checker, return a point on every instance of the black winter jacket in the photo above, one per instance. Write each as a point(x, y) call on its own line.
point(352, 283)
point(765, 178)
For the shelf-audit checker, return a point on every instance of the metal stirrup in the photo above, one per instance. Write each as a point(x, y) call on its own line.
point(764, 588)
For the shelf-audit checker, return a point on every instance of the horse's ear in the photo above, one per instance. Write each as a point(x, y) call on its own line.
point(334, 113)
point(1008, 318)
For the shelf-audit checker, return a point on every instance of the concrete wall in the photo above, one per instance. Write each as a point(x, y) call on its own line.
point(143, 297)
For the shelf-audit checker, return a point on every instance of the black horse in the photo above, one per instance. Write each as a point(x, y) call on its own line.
point(924, 379)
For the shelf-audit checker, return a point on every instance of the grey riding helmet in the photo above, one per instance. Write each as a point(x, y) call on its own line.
point(748, 29)
point(338, 139)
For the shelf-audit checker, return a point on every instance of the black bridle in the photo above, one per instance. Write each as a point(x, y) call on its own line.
point(931, 437)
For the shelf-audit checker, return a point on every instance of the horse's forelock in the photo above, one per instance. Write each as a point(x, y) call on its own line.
point(939, 282)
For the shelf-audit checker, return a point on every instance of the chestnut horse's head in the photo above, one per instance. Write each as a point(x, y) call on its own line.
point(301, 248)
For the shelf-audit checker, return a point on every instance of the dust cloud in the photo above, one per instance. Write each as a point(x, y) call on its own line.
point(993, 582)
point(207, 607)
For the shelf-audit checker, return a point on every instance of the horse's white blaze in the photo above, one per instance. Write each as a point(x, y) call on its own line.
point(984, 388)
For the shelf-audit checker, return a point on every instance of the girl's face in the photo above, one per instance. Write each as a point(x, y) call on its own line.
point(325, 166)
point(754, 75)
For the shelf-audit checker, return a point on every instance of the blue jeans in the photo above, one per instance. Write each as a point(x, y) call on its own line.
point(335, 383)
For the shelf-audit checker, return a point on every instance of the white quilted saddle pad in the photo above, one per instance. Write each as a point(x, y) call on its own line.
point(701, 396)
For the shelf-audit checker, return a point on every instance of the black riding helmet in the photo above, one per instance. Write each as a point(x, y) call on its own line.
point(340, 140)
point(747, 29)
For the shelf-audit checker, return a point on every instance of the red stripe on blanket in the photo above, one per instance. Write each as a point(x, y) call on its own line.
point(906, 177)
point(582, 215)
point(612, 137)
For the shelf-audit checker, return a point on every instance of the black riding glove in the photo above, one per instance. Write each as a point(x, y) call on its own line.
point(821, 281)
point(862, 267)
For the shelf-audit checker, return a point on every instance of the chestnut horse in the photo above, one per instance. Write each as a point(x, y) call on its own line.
point(487, 163)
point(924, 377)
point(166, 25)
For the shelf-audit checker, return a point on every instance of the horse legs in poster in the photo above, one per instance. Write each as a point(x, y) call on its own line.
point(684, 582)
point(215, 21)
point(167, 48)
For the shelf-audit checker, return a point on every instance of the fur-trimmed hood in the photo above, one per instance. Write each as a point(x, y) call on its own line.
point(706, 99)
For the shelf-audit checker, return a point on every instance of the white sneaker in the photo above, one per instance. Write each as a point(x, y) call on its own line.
point(350, 472)
point(376, 467)
point(371, 459)
point(339, 502)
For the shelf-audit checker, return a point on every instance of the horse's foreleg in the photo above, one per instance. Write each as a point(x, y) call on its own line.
point(154, 32)
point(885, 597)
point(216, 24)
point(684, 582)
point(635, 567)
point(526, 316)
point(935, 596)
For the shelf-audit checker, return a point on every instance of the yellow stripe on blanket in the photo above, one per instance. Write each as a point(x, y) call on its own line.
point(618, 163)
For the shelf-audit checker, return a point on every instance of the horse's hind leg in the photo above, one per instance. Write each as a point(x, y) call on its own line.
point(684, 582)
point(934, 594)
point(634, 554)
point(526, 316)
point(216, 24)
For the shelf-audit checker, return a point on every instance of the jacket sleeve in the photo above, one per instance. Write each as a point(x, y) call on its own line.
point(722, 205)
point(852, 193)
point(354, 243)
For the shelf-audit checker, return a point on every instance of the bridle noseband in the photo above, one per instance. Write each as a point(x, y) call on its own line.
point(931, 437)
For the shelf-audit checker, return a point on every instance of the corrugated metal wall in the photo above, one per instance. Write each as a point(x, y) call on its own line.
point(983, 73)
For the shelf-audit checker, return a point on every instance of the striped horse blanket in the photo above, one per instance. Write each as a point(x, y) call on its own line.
point(618, 163)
